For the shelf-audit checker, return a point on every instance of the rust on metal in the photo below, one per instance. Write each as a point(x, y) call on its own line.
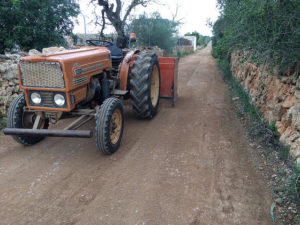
point(124, 69)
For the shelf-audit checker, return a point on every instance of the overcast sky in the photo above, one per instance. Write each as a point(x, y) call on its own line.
point(193, 14)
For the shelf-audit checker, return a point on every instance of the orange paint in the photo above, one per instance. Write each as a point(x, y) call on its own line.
point(71, 60)
point(124, 69)
point(168, 75)
point(132, 35)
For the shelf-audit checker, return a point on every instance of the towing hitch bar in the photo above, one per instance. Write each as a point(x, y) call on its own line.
point(48, 133)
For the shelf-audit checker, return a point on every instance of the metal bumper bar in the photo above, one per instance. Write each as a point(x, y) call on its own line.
point(48, 133)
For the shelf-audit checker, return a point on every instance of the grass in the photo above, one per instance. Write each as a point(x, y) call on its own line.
point(273, 128)
point(183, 54)
point(237, 90)
point(201, 47)
point(2, 124)
point(292, 187)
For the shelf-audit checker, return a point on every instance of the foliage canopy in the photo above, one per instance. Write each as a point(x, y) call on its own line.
point(35, 23)
point(112, 10)
point(154, 31)
point(269, 29)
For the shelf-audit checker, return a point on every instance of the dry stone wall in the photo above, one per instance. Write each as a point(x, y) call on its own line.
point(275, 94)
point(9, 83)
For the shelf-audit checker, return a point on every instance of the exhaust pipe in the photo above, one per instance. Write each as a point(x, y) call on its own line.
point(48, 133)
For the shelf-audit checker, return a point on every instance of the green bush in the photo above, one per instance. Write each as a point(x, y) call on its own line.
point(34, 23)
point(2, 123)
point(269, 29)
point(274, 130)
point(154, 31)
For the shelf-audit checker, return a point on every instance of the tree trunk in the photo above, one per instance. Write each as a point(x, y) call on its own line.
point(114, 16)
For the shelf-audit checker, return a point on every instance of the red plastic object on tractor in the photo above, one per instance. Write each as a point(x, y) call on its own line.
point(168, 75)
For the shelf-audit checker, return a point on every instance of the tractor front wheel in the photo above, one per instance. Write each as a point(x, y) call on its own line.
point(109, 126)
point(145, 84)
point(18, 118)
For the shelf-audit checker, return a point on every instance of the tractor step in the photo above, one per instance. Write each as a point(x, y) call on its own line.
point(119, 92)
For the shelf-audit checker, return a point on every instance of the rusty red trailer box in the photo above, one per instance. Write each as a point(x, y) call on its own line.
point(169, 76)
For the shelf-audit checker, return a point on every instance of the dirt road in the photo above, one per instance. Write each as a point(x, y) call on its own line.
point(189, 165)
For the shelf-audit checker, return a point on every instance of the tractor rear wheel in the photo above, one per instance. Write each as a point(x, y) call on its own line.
point(18, 118)
point(109, 126)
point(145, 84)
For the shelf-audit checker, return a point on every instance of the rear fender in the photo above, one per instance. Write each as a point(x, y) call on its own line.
point(124, 69)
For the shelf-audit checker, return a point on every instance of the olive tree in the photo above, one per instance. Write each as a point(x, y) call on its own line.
point(112, 12)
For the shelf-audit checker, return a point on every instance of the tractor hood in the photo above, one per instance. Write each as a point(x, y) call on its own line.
point(69, 55)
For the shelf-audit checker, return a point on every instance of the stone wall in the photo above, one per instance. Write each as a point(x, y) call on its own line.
point(9, 82)
point(275, 94)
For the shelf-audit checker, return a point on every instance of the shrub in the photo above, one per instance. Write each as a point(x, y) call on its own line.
point(269, 29)
point(35, 23)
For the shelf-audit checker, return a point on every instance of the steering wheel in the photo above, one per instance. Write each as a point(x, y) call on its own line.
point(102, 43)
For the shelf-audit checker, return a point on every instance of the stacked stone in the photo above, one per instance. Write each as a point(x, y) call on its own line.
point(9, 82)
point(275, 94)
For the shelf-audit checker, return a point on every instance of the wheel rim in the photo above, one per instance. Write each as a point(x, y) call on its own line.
point(115, 126)
point(154, 86)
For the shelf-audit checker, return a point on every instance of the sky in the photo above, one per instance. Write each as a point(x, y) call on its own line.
point(192, 13)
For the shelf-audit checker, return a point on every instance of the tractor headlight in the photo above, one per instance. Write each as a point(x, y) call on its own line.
point(59, 99)
point(36, 98)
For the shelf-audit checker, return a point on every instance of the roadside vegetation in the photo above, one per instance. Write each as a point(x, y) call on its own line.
point(2, 123)
point(154, 30)
point(270, 32)
point(183, 54)
point(35, 24)
point(274, 160)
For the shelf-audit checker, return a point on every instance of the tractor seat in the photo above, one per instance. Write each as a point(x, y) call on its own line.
point(116, 53)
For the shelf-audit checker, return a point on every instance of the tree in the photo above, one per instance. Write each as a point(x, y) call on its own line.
point(154, 31)
point(268, 30)
point(113, 14)
point(35, 23)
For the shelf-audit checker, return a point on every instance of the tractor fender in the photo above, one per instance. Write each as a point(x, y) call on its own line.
point(124, 69)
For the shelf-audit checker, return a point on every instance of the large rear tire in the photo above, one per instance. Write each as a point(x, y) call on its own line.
point(17, 118)
point(109, 126)
point(145, 84)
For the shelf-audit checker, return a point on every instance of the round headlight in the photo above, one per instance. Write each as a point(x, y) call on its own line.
point(59, 99)
point(36, 98)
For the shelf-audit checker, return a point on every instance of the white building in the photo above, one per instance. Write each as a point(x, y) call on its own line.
point(193, 39)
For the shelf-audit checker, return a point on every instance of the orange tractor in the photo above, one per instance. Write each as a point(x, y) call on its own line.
point(88, 83)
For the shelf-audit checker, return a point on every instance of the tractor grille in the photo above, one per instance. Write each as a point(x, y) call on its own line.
point(41, 74)
point(47, 98)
